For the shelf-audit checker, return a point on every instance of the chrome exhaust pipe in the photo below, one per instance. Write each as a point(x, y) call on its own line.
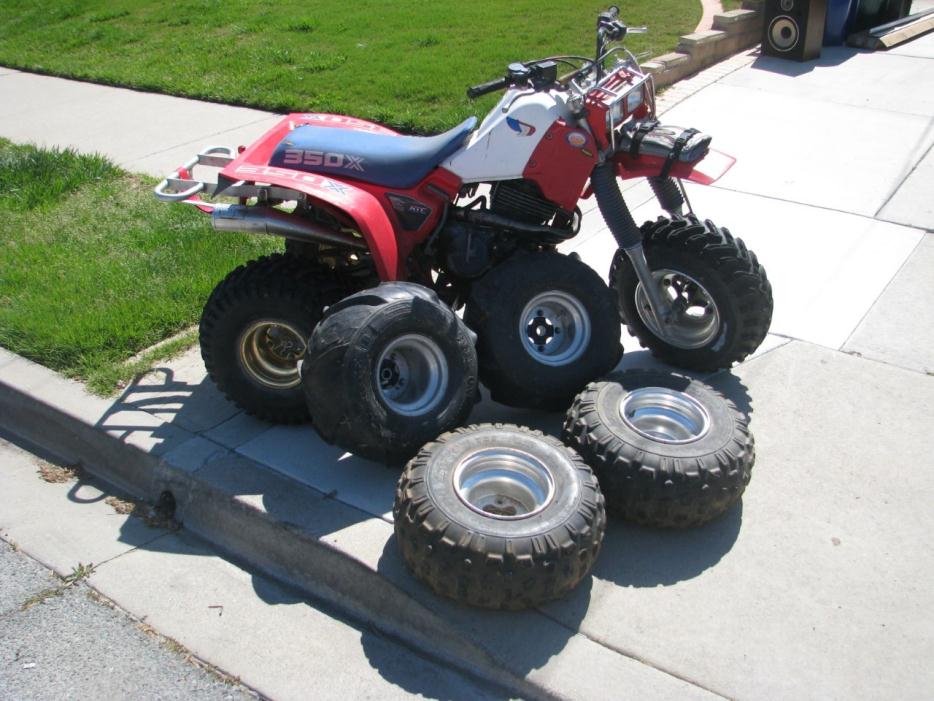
point(274, 222)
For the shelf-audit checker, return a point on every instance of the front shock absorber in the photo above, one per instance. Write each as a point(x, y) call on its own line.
point(668, 194)
point(613, 207)
point(619, 219)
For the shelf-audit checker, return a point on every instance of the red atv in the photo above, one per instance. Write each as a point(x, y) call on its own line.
point(473, 217)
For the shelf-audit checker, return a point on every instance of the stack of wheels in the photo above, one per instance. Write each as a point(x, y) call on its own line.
point(388, 369)
point(254, 328)
point(499, 516)
point(720, 296)
point(547, 325)
point(668, 450)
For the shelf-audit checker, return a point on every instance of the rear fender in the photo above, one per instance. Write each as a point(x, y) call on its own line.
point(360, 206)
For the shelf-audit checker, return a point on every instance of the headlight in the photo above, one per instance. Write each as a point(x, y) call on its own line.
point(634, 100)
point(624, 108)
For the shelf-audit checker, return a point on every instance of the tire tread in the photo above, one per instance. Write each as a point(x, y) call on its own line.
point(653, 489)
point(275, 279)
point(736, 266)
point(495, 572)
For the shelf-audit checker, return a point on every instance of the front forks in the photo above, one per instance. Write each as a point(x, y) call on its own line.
point(618, 218)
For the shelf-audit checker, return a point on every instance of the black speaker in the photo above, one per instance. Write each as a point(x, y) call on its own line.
point(794, 29)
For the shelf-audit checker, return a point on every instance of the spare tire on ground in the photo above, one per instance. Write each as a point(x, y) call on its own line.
point(499, 516)
point(668, 450)
point(388, 369)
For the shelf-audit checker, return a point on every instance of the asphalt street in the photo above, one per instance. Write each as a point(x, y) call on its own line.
point(62, 640)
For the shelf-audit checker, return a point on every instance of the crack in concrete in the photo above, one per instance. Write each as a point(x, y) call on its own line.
point(911, 172)
point(809, 204)
point(879, 297)
point(632, 656)
point(205, 136)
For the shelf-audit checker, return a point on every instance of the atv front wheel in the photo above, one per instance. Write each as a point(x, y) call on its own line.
point(253, 333)
point(546, 325)
point(389, 369)
point(499, 516)
point(668, 450)
point(720, 298)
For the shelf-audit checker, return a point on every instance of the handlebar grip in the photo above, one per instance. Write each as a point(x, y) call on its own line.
point(484, 88)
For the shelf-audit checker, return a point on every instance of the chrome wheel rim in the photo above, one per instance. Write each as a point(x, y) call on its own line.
point(665, 415)
point(695, 319)
point(270, 351)
point(554, 328)
point(412, 375)
point(504, 484)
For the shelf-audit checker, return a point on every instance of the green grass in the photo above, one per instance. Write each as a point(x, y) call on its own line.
point(93, 269)
point(405, 63)
point(732, 4)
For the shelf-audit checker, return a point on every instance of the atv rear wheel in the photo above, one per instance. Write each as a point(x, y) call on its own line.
point(668, 450)
point(387, 370)
point(547, 326)
point(720, 298)
point(499, 516)
point(253, 333)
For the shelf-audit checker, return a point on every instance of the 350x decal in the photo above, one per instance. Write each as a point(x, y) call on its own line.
point(296, 156)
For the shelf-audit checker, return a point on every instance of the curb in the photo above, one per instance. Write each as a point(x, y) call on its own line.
point(220, 497)
point(732, 32)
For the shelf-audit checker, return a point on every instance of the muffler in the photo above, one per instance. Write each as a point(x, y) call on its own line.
point(275, 222)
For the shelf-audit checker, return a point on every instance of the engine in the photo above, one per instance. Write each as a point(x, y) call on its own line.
point(476, 236)
point(521, 200)
point(468, 249)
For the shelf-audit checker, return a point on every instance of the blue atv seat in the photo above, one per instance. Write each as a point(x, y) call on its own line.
point(382, 159)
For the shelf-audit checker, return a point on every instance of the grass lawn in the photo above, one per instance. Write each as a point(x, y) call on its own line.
point(93, 269)
point(405, 63)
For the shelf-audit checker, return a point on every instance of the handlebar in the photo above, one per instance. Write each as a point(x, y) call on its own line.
point(543, 74)
point(484, 88)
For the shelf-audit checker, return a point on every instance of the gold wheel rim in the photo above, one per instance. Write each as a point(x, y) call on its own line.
point(270, 351)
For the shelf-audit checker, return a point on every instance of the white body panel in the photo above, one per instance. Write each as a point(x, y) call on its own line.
point(500, 151)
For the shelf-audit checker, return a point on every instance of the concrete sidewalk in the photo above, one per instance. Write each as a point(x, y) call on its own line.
point(801, 592)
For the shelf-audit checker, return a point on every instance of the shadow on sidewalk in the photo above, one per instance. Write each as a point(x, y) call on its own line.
point(632, 556)
point(830, 56)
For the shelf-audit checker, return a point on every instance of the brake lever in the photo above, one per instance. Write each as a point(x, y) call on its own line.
point(520, 93)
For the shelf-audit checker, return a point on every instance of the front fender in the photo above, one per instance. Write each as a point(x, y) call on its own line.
point(706, 171)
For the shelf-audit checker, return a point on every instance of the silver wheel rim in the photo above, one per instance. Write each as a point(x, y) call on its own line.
point(665, 415)
point(412, 375)
point(554, 328)
point(504, 484)
point(270, 351)
point(695, 319)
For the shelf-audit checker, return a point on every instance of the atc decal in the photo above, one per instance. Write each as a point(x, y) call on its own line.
point(521, 128)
